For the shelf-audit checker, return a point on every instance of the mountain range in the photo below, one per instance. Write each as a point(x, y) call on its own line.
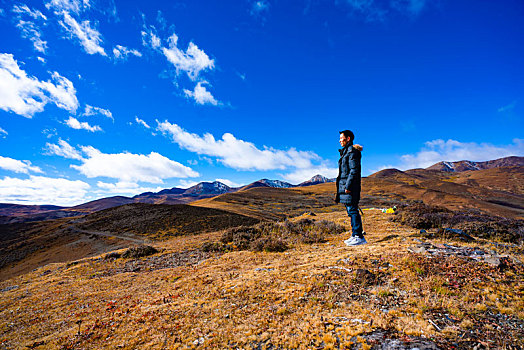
point(22, 213)
point(11, 213)
point(465, 165)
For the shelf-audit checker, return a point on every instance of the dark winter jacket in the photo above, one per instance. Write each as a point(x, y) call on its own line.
point(349, 173)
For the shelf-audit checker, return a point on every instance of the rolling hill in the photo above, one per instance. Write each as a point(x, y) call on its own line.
point(24, 246)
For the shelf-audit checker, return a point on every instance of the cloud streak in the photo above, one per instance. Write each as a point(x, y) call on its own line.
point(29, 27)
point(236, 153)
point(142, 122)
point(75, 124)
point(201, 95)
point(18, 166)
point(88, 37)
point(90, 110)
point(121, 52)
point(63, 149)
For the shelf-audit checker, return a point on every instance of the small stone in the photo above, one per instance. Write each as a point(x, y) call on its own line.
point(7, 289)
point(417, 249)
point(492, 260)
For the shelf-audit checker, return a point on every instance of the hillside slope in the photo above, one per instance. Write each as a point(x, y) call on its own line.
point(25, 246)
point(497, 191)
point(391, 292)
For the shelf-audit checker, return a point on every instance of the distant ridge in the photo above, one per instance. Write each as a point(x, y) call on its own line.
point(20, 209)
point(315, 180)
point(207, 188)
point(465, 165)
point(266, 183)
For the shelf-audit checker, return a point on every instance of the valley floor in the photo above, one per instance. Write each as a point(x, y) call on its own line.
point(319, 296)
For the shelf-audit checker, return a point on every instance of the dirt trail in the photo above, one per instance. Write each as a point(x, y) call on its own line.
point(106, 234)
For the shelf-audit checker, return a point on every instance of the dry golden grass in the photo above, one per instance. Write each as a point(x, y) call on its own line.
point(307, 297)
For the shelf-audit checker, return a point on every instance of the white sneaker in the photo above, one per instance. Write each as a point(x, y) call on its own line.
point(356, 241)
point(350, 240)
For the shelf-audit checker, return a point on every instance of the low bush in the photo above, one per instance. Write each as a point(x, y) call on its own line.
point(112, 255)
point(473, 223)
point(140, 251)
point(274, 236)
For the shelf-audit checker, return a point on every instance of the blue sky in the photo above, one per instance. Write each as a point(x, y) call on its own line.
point(103, 97)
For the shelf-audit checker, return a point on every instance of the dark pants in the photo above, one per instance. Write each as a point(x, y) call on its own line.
point(356, 220)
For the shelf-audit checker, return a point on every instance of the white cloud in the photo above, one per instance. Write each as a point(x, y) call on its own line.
point(143, 123)
point(3, 133)
point(126, 167)
point(201, 95)
point(63, 149)
point(149, 38)
point(124, 187)
point(75, 124)
point(90, 110)
point(26, 95)
point(301, 175)
point(235, 153)
point(89, 37)
point(29, 28)
point(49, 132)
point(451, 150)
point(192, 61)
point(129, 167)
point(74, 6)
point(228, 182)
point(42, 190)
point(18, 166)
point(259, 7)
point(121, 52)
point(35, 14)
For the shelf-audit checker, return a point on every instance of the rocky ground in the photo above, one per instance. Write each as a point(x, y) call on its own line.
point(403, 290)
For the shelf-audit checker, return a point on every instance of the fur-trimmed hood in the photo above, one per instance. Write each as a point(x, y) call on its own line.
point(358, 147)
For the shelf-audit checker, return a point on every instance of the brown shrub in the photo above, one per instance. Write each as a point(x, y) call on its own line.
point(269, 244)
point(274, 236)
point(140, 251)
point(471, 222)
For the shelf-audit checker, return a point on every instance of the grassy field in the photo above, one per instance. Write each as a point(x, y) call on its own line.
point(311, 296)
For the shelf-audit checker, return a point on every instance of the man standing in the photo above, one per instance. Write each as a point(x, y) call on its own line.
point(348, 184)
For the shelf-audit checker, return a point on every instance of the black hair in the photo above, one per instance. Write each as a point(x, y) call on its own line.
point(348, 133)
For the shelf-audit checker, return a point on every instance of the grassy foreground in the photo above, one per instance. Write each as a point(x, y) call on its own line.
point(321, 295)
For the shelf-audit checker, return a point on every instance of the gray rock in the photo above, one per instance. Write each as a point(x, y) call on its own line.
point(492, 260)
